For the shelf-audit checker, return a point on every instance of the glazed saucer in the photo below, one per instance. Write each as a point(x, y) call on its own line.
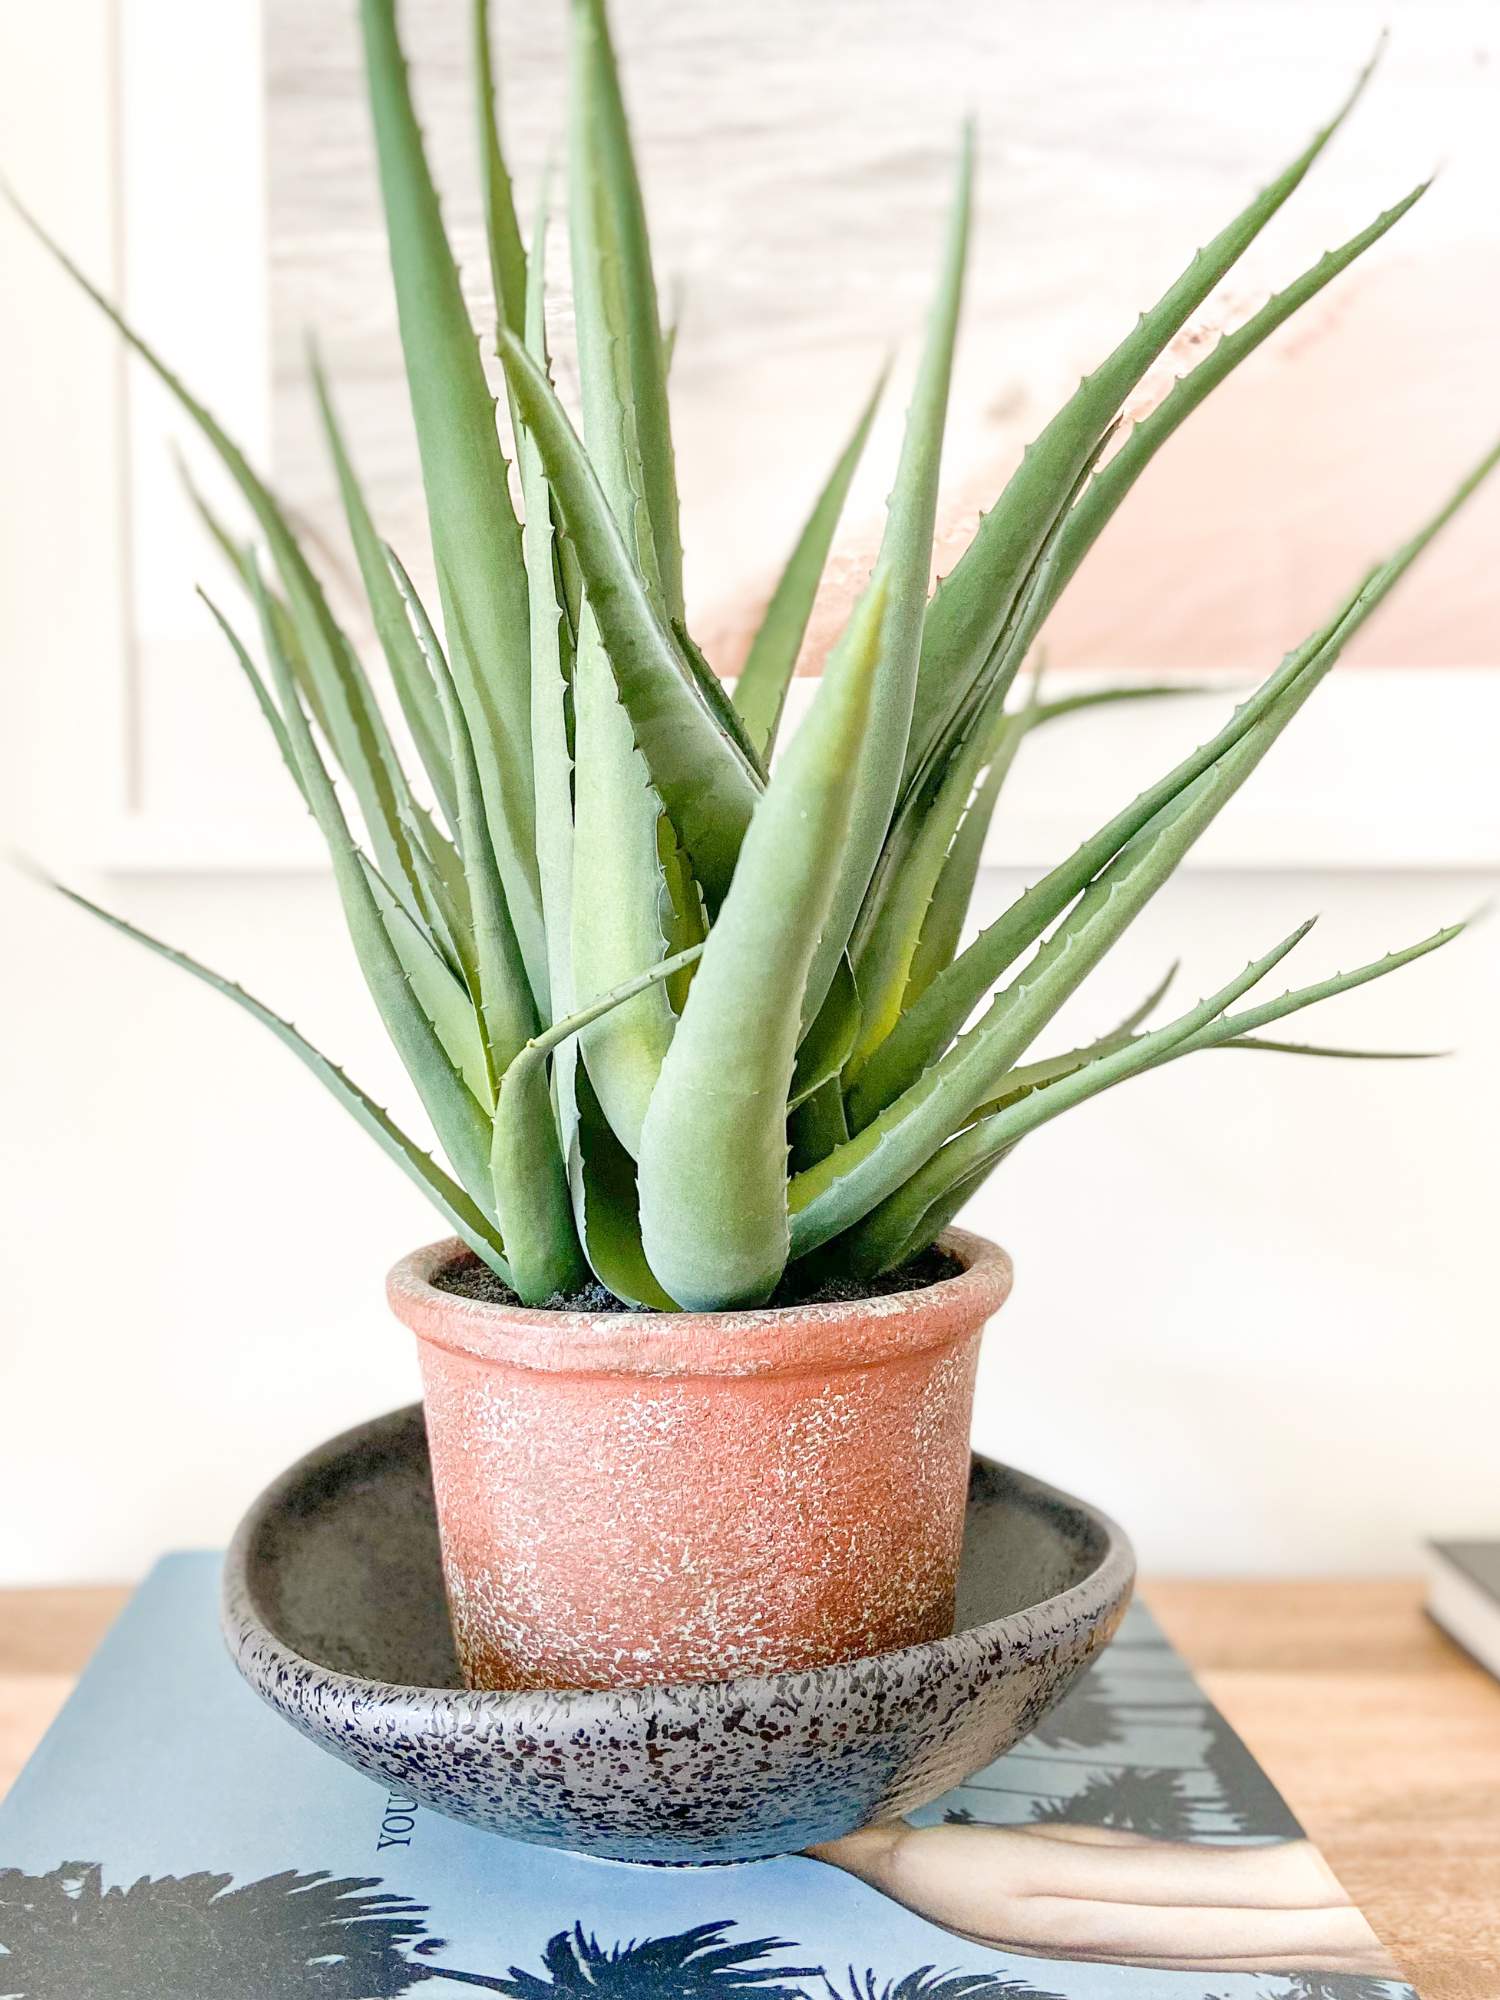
point(334, 1613)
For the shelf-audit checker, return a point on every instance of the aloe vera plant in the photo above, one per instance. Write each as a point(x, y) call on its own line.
point(695, 1026)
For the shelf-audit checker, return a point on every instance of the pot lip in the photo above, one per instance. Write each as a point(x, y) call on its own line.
point(764, 1340)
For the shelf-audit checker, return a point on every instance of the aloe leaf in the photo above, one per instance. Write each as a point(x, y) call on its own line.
point(605, 1202)
point(760, 691)
point(476, 538)
point(241, 560)
point(975, 1153)
point(431, 973)
point(346, 708)
point(444, 869)
point(532, 1199)
point(908, 1221)
point(830, 1038)
point(532, 1194)
point(447, 1197)
point(972, 604)
point(930, 1025)
point(1026, 1077)
point(462, 1129)
point(909, 876)
point(718, 702)
point(1232, 1031)
point(501, 229)
point(506, 1005)
point(618, 893)
point(551, 750)
point(269, 711)
point(984, 698)
point(901, 573)
point(704, 778)
point(546, 1040)
point(889, 1148)
point(621, 360)
point(441, 995)
point(912, 858)
point(942, 927)
point(817, 1123)
point(1328, 1051)
point(1114, 481)
point(721, 1239)
point(1114, 697)
point(409, 675)
point(886, 1231)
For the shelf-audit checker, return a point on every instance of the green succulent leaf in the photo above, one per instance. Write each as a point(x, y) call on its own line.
point(721, 1238)
point(703, 777)
point(505, 1004)
point(943, 924)
point(953, 892)
point(621, 358)
point(532, 1194)
point(1326, 1050)
point(918, 1039)
point(972, 604)
point(910, 871)
point(409, 676)
point(501, 229)
point(890, 1231)
point(476, 538)
point(618, 893)
point(442, 995)
point(344, 703)
point(1026, 1077)
point(718, 702)
point(901, 575)
point(460, 1213)
point(606, 1204)
point(462, 1128)
point(760, 691)
point(1233, 1030)
point(241, 559)
point(829, 1041)
point(551, 741)
point(263, 699)
point(1109, 486)
point(532, 1198)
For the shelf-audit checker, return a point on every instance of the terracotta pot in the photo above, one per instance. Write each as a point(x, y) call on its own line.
point(631, 1498)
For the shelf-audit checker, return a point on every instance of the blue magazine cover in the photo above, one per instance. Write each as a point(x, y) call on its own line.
point(172, 1839)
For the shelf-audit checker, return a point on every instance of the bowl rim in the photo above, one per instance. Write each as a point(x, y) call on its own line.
point(832, 1335)
point(1027, 1632)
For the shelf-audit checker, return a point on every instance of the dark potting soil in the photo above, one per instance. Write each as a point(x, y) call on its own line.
point(467, 1278)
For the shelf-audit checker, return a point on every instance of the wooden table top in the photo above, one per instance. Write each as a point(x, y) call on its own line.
point(1383, 1736)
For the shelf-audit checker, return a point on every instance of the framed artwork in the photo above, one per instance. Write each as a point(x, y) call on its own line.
point(237, 213)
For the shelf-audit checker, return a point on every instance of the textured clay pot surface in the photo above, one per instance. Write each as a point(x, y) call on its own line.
point(631, 1498)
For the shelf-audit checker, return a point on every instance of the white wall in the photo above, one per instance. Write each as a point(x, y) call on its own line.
point(1254, 1313)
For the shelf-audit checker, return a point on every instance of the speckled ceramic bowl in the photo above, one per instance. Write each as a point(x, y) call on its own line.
point(333, 1611)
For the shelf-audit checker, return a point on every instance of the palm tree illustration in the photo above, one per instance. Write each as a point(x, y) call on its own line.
point(927, 1983)
point(696, 1964)
point(1247, 1795)
point(1149, 1802)
point(64, 1936)
point(1334, 1986)
point(1085, 1721)
point(291, 1936)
